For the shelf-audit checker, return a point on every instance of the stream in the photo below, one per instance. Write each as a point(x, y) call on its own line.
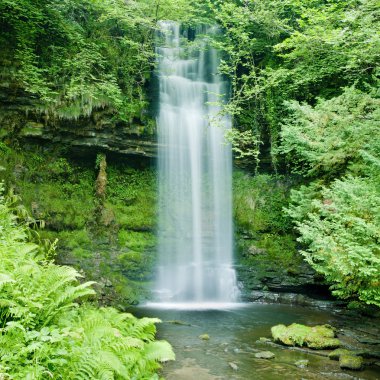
point(234, 339)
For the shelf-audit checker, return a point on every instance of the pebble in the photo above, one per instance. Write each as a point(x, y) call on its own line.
point(233, 366)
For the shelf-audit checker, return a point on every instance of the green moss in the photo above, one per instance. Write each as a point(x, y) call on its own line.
point(74, 239)
point(316, 337)
point(259, 203)
point(351, 362)
point(118, 254)
point(136, 265)
point(336, 354)
point(137, 241)
point(132, 197)
point(140, 215)
point(81, 252)
point(264, 232)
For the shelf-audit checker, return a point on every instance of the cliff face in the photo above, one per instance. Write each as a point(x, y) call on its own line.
point(21, 120)
point(24, 121)
point(86, 137)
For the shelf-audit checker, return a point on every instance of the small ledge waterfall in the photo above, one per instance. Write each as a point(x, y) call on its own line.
point(195, 232)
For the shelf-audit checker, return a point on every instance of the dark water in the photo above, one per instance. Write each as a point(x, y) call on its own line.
point(234, 335)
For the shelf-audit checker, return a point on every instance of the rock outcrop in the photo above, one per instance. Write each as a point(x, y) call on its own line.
point(83, 137)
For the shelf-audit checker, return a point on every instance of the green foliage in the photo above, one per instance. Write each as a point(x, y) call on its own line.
point(340, 228)
point(44, 332)
point(60, 195)
point(73, 56)
point(325, 139)
point(338, 220)
point(335, 45)
point(244, 144)
point(279, 51)
point(136, 241)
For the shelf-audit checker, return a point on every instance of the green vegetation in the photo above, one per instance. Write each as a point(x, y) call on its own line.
point(351, 362)
point(46, 332)
point(265, 235)
point(305, 83)
point(115, 248)
point(316, 337)
point(132, 198)
point(304, 95)
point(75, 56)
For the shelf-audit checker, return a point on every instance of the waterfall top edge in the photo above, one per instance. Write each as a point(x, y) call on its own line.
point(196, 306)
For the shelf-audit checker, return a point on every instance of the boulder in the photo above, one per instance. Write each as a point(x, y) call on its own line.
point(264, 355)
point(317, 337)
point(351, 362)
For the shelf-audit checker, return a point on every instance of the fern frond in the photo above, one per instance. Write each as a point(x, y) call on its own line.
point(159, 350)
point(5, 279)
point(144, 328)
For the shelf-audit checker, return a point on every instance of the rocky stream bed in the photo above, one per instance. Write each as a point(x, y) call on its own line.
point(236, 343)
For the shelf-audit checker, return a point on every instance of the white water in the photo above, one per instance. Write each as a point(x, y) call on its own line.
point(195, 236)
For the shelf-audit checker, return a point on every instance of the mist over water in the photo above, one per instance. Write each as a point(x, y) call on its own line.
point(195, 232)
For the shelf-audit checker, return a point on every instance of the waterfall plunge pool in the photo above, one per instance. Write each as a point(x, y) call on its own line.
point(234, 334)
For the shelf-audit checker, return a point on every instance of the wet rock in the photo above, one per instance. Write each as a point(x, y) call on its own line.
point(233, 366)
point(367, 340)
point(204, 337)
point(264, 296)
point(316, 337)
point(336, 354)
point(302, 363)
point(179, 323)
point(351, 362)
point(265, 355)
point(368, 354)
point(92, 135)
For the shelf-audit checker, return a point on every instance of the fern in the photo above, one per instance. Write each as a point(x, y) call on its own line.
point(45, 333)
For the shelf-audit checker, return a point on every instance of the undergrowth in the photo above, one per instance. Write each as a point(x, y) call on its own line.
point(48, 327)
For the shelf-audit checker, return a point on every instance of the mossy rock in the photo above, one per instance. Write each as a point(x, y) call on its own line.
point(204, 337)
point(317, 337)
point(351, 362)
point(336, 354)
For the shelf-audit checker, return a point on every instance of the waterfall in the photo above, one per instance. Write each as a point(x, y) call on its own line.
point(195, 231)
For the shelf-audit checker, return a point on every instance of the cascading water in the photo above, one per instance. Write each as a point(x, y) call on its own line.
point(195, 236)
